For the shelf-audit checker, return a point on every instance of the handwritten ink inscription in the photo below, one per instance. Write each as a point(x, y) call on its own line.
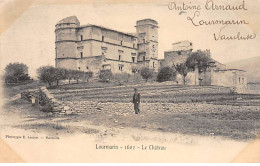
point(197, 21)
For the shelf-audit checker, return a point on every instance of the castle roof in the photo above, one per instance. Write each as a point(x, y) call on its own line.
point(71, 19)
point(147, 19)
point(109, 29)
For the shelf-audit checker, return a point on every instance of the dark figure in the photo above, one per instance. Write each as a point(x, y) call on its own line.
point(136, 101)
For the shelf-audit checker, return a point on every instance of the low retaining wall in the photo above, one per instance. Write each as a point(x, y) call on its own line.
point(46, 100)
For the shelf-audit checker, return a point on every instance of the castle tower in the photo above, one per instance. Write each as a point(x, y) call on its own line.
point(147, 36)
point(66, 43)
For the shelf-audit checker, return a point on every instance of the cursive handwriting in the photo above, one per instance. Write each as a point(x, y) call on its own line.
point(238, 36)
point(214, 22)
point(183, 6)
point(210, 5)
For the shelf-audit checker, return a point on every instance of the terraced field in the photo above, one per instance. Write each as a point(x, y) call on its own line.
point(158, 92)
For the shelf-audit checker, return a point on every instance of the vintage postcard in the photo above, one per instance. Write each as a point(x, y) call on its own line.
point(135, 81)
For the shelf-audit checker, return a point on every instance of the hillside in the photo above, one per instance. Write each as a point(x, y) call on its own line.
point(251, 65)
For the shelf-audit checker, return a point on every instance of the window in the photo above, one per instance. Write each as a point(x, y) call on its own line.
point(190, 44)
point(143, 40)
point(81, 54)
point(120, 67)
point(79, 68)
point(103, 37)
point(86, 67)
point(120, 51)
point(143, 58)
point(80, 47)
point(133, 45)
point(119, 57)
point(239, 79)
point(179, 53)
point(63, 54)
point(81, 37)
point(133, 59)
point(103, 50)
point(153, 65)
point(121, 43)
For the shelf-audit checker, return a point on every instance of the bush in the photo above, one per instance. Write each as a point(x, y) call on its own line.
point(105, 75)
point(87, 76)
point(136, 78)
point(166, 74)
point(122, 78)
point(146, 73)
point(16, 72)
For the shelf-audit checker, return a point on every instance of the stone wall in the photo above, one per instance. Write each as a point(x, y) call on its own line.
point(253, 88)
point(46, 101)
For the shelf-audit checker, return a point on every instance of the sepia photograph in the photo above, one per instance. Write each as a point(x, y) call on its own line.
point(113, 81)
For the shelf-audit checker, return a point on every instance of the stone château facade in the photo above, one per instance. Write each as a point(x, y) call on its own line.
point(93, 48)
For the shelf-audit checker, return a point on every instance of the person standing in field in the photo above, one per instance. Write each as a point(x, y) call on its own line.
point(136, 101)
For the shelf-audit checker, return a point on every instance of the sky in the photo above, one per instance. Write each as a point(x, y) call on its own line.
point(30, 39)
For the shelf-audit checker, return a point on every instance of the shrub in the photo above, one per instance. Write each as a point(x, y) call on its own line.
point(166, 74)
point(87, 76)
point(146, 73)
point(136, 78)
point(122, 78)
point(105, 75)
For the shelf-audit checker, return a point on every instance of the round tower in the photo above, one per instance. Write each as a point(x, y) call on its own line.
point(66, 42)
